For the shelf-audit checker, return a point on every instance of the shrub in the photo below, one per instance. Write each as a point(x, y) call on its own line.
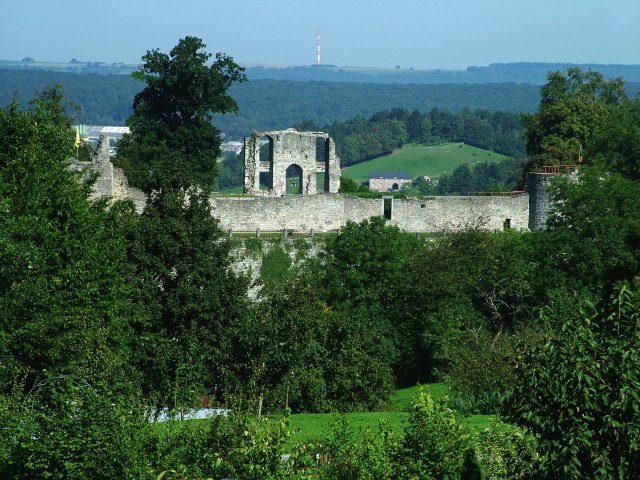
point(66, 430)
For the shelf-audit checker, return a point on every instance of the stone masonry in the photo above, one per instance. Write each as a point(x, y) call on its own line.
point(309, 152)
point(331, 211)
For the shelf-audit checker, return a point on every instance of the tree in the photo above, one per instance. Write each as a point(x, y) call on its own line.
point(64, 281)
point(572, 106)
point(189, 296)
point(577, 391)
point(172, 136)
point(617, 141)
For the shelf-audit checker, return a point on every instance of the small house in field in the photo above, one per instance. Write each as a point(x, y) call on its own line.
point(388, 181)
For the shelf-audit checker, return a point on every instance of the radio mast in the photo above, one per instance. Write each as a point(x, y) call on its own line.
point(318, 45)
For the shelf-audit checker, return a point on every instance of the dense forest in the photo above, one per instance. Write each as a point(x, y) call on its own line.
point(109, 317)
point(274, 104)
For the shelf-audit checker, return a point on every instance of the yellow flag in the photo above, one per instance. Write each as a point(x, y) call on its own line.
point(77, 144)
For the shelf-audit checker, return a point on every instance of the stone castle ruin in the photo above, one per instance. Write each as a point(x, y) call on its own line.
point(312, 155)
point(304, 153)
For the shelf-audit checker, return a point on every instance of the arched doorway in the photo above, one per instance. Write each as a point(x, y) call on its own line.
point(294, 179)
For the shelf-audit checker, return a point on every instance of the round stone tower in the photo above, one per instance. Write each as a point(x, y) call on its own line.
point(537, 186)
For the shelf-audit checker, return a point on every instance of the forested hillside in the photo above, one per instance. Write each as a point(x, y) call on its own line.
point(275, 104)
point(272, 104)
point(514, 72)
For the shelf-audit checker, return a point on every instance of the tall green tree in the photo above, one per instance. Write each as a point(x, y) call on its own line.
point(185, 286)
point(573, 104)
point(64, 281)
point(172, 136)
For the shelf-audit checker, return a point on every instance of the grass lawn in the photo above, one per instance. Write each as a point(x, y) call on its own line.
point(418, 160)
point(313, 427)
point(309, 427)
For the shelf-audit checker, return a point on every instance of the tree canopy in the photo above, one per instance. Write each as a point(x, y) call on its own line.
point(172, 135)
point(573, 105)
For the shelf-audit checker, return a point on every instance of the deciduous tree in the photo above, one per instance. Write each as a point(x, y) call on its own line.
point(172, 138)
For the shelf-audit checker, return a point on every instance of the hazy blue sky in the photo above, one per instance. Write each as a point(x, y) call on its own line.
point(411, 33)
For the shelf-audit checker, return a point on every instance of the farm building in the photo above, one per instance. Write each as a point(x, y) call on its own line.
point(387, 181)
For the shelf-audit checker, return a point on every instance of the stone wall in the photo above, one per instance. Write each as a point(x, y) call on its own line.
point(385, 184)
point(331, 211)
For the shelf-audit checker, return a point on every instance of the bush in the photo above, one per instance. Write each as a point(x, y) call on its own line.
point(480, 370)
point(66, 430)
point(436, 440)
point(505, 452)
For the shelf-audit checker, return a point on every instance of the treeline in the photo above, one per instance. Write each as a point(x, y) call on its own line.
point(270, 104)
point(485, 177)
point(515, 72)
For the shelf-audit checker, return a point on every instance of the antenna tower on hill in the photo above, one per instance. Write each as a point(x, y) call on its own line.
point(318, 45)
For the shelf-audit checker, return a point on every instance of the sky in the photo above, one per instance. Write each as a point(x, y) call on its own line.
point(421, 34)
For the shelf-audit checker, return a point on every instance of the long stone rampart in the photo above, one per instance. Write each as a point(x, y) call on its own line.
point(331, 211)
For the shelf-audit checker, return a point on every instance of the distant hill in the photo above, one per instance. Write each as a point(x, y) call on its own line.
point(276, 104)
point(524, 72)
point(517, 72)
point(420, 160)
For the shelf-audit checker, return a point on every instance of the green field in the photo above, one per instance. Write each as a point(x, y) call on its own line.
point(309, 427)
point(314, 427)
point(418, 160)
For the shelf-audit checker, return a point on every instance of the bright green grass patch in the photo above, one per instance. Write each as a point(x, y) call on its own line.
point(418, 160)
point(314, 427)
point(401, 399)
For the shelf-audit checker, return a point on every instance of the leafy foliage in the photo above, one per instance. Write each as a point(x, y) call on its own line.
point(593, 230)
point(188, 293)
point(573, 105)
point(64, 282)
point(67, 430)
point(578, 391)
point(172, 137)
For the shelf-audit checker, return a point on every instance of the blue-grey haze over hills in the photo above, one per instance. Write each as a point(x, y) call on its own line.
point(419, 34)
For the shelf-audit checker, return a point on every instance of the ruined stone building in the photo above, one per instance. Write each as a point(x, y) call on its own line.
point(306, 154)
point(320, 207)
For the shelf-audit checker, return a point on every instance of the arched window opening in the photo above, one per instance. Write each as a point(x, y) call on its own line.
point(294, 180)
point(266, 158)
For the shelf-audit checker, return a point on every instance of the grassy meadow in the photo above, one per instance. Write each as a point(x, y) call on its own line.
point(418, 160)
point(312, 427)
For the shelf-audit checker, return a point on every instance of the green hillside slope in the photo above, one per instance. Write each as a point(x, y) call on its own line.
point(418, 160)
